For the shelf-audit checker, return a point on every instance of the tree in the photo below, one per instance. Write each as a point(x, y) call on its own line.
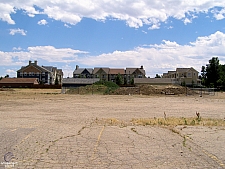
point(203, 75)
point(1, 78)
point(157, 76)
point(212, 72)
point(119, 79)
point(132, 81)
point(221, 81)
point(6, 76)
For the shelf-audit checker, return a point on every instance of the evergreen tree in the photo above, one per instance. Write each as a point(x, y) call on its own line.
point(119, 79)
point(212, 72)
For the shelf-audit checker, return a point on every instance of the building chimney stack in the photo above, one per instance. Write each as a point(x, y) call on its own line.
point(77, 67)
point(141, 66)
point(29, 62)
point(35, 62)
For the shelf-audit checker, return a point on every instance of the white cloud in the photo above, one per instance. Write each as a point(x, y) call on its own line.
point(67, 25)
point(219, 15)
point(136, 13)
point(11, 72)
point(19, 48)
point(156, 58)
point(5, 11)
point(42, 22)
point(19, 31)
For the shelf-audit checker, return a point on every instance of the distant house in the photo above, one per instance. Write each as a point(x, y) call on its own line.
point(101, 73)
point(187, 76)
point(44, 74)
point(18, 82)
point(109, 74)
point(82, 72)
point(132, 73)
point(114, 72)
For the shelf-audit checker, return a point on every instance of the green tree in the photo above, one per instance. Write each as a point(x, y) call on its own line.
point(212, 72)
point(132, 81)
point(1, 78)
point(203, 75)
point(157, 76)
point(221, 81)
point(6, 76)
point(119, 79)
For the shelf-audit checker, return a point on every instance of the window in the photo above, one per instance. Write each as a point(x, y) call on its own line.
point(21, 73)
point(30, 73)
point(43, 74)
point(37, 74)
point(43, 79)
point(25, 73)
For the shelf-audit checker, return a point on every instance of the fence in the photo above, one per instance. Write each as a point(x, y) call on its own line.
point(204, 91)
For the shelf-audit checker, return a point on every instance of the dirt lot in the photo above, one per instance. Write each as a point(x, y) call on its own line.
point(47, 129)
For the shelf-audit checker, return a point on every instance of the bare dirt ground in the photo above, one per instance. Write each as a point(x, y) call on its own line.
point(47, 129)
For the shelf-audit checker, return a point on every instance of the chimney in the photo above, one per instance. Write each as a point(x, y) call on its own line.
point(29, 62)
point(35, 62)
point(77, 67)
point(141, 67)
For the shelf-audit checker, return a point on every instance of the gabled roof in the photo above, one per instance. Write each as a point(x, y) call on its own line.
point(116, 71)
point(19, 80)
point(42, 69)
point(80, 70)
point(106, 70)
point(182, 70)
point(50, 68)
point(132, 70)
point(171, 72)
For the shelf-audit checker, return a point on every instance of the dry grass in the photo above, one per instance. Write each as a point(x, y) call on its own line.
point(174, 121)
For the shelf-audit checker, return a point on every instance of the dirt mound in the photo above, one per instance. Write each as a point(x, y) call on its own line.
point(154, 90)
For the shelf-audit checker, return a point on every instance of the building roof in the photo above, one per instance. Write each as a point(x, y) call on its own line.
point(50, 68)
point(116, 71)
point(105, 69)
point(80, 70)
point(42, 69)
point(181, 70)
point(171, 72)
point(19, 80)
point(79, 80)
point(132, 70)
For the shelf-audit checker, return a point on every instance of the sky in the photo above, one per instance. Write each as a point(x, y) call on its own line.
point(160, 35)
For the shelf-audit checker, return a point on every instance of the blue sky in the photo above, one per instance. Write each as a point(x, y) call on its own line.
point(161, 36)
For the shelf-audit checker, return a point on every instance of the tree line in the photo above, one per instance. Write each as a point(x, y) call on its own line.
point(213, 74)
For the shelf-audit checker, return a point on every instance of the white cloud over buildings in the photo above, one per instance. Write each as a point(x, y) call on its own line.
point(156, 58)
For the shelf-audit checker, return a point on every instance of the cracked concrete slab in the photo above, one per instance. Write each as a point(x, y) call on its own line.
point(73, 131)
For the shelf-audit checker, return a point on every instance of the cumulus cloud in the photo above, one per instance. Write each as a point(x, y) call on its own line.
point(156, 58)
point(42, 22)
point(136, 13)
point(17, 31)
point(219, 15)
